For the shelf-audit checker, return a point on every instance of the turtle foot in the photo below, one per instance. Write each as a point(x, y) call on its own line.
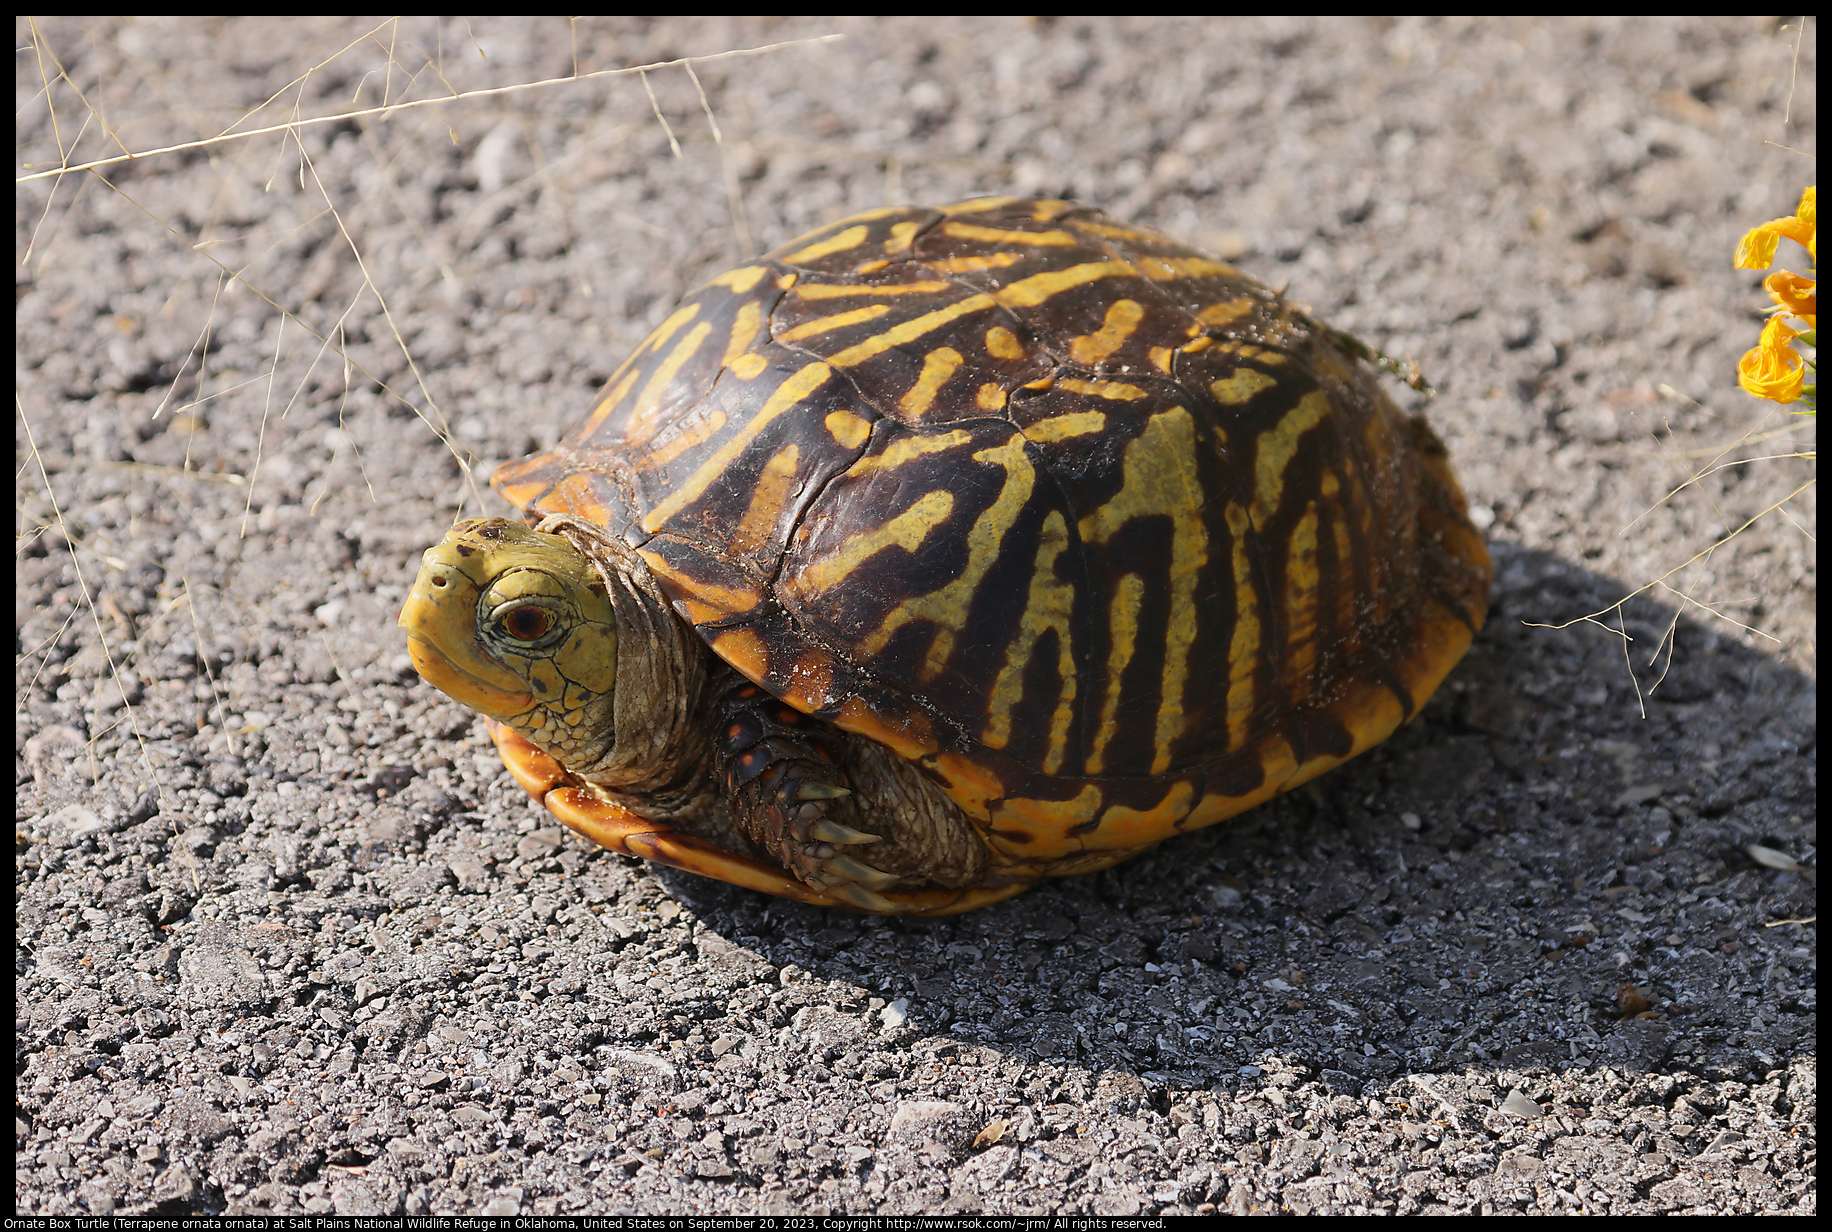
point(780, 781)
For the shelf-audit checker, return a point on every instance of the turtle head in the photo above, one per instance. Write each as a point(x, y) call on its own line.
point(517, 625)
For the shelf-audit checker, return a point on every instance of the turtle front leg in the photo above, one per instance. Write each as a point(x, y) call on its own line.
point(788, 793)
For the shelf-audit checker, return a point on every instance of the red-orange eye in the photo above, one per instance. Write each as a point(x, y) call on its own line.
point(527, 624)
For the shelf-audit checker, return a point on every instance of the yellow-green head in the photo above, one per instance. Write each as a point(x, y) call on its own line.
point(517, 625)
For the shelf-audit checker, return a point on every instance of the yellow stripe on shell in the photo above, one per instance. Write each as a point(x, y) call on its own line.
point(705, 601)
point(995, 235)
point(749, 366)
point(690, 433)
point(1112, 231)
point(1121, 826)
point(1123, 317)
point(1001, 343)
point(1377, 435)
point(907, 531)
point(1347, 602)
point(1160, 479)
point(698, 612)
point(847, 429)
point(908, 331)
point(937, 366)
point(1244, 645)
point(1215, 316)
point(970, 265)
point(1024, 293)
point(578, 494)
point(791, 393)
point(669, 327)
point(1123, 630)
point(768, 496)
point(521, 495)
point(1240, 387)
point(978, 205)
point(836, 290)
point(1165, 269)
point(1234, 346)
point(1039, 829)
point(744, 650)
point(1371, 713)
point(901, 234)
point(1301, 607)
point(910, 740)
point(642, 414)
point(614, 393)
point(946, 608)
point(747, 323)
point(1277, 763)
point(742, 279)
point(906, 448)
point(839, 320)
point(970, 784)
point(1276, 447)
point(1063, 427)
point(1032, 291)
point(1047, 609)
point(810, 682)
point(874, 214)
point(851, 237)
point(1113, 391)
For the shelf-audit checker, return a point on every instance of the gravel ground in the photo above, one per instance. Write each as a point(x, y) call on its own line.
point(291, 941)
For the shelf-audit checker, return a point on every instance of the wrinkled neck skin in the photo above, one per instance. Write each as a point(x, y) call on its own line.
point(661, 752)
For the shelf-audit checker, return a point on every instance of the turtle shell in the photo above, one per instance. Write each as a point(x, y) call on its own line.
point(1106, 536)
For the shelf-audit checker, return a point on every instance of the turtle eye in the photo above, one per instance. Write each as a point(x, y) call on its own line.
point(527, 623)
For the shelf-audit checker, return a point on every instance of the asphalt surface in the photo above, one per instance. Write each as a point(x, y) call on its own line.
point(289, 940)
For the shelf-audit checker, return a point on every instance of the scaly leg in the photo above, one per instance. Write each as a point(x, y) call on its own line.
point(789, 794)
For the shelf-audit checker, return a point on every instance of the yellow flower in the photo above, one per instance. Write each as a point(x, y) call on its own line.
point(1773, 370)
point(1757, 251)
point(1795, 295)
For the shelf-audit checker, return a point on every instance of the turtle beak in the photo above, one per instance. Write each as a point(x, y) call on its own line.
point(438, 670)
point(440, 617)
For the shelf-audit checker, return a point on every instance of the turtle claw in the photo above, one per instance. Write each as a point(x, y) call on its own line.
point(851, 870)
point(817, 858)
point(777, 772)
point(826, 831)
point(864, 899)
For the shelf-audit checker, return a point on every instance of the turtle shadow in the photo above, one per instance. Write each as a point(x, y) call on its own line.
point(1515, 881)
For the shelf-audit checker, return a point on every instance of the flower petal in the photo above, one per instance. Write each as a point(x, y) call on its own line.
point(1776, 373)
point(1777, 334)
point(1797, 295)
point(1757, 251)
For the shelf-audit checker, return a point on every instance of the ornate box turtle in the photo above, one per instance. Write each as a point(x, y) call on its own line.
point(941, 550)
